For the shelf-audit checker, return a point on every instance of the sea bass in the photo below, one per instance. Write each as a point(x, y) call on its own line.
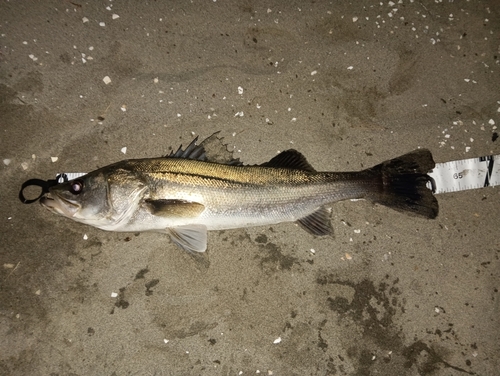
point(203, 188)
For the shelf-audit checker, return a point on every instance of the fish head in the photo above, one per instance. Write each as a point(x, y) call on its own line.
point(84, 199)
point(106, 198)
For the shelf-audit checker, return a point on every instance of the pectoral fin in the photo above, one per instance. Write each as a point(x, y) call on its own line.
point(192, 238)
point(175, 208)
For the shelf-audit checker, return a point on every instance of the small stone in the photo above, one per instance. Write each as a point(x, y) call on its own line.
point(107, 80)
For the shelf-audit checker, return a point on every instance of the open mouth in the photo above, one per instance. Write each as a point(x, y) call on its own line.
point(59, 205)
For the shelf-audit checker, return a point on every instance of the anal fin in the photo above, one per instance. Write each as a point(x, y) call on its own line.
point(317, 223)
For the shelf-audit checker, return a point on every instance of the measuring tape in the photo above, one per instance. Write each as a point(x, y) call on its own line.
point(466, 174)
point(451, 176)
point(67, 176)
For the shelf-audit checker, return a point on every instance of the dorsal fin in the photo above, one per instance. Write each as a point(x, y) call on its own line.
point(209, 150)
point(193, 151)
point(290, 159)
point(216, 151)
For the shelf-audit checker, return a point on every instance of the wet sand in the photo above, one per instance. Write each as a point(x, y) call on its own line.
point(347, 85)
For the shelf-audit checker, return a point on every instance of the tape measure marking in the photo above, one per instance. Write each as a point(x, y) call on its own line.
point(66, 176)
point(466, 174)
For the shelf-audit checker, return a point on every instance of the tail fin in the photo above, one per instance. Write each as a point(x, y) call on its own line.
point(404, 181)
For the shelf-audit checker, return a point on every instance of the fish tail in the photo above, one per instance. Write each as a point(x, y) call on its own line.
point(404, 184)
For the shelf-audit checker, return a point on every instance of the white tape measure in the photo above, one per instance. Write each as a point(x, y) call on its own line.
point(451, 176)
point(66, 176)
point(466, 174)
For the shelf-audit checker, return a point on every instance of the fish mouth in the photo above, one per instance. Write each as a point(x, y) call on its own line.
point(59, 205)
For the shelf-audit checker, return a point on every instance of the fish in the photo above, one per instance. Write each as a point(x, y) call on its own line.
point(203, 187)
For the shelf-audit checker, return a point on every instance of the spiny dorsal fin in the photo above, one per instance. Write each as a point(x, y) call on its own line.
point(193, 151)
point(209, 150)
point(216, 151)
point(290, 159)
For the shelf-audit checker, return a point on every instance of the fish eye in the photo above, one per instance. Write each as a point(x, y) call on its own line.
point(76, 187)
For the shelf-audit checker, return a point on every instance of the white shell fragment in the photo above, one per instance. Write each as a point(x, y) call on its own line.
point(114, 294)
point(124, 150)
point(277, 340)
point(240, 90)
point(85, 237)
point(102, 24)
point(54, 159)
point(24, 165)
point(107, 80)
point(85, 19)
point(6, 161)
point(115, 16)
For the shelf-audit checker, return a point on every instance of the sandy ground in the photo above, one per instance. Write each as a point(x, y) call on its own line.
point(348, 85)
